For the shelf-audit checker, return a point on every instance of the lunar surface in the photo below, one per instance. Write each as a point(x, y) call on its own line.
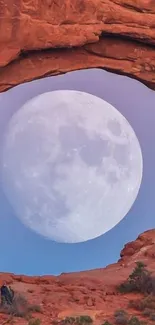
point(71, 167)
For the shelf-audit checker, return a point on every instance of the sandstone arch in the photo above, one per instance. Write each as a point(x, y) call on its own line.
point(43, 38)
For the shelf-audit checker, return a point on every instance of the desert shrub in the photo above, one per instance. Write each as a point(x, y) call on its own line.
point(121, 317)
point(140, 267)
point(126, 287)
point(142, 304)
point(131, 283)
point(83, 319)
point(20, 307)
point(19, 298)
point(135, 304)
point(36, 321)
point(68, 320)
point(120, 312)
point(135, 321)
point(11, 310)
point(148, 302)
point(106, 323)
point(147, 312)
point(140, 280)
point(35, 308)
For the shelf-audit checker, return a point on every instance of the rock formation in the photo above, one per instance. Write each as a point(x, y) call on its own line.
point(44, 38)
point(89, 292)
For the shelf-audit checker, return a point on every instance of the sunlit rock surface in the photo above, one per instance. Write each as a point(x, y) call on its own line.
point(89, 292)
point(44, 38)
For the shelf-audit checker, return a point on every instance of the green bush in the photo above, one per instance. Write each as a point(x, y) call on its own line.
point(138, 270)
point(140, 280)
point(121, 317)
point(120, 312)
point(147, 312)
point(136, 304)
point(142, 304)
point(148, 302)
point(135, 321)
point(83, 319)
point(68, 320)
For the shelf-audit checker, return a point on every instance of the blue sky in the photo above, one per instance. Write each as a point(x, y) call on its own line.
point(23, 251)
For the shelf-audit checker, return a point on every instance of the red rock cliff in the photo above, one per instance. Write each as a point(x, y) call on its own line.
point(89, 292)
point(43, 38)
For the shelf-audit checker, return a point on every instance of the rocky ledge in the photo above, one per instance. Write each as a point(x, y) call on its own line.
point(93, 293)
point(45, 38)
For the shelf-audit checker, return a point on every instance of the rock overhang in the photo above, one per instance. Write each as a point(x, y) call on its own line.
point(39, 40)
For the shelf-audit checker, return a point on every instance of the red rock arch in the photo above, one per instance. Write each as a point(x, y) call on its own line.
point(44, 38)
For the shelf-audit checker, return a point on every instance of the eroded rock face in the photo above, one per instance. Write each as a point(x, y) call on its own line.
point(84, 293)
point(143, 247)
point(44, 38)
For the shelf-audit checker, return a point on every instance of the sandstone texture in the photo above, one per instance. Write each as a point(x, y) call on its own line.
point(41, 38)
point(84, 293)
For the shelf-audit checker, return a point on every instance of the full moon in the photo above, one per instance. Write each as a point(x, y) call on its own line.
point(71, 165)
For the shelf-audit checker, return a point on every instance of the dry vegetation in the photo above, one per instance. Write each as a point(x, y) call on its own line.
point(21, 308)
point(140, 281)
point(81, 320)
